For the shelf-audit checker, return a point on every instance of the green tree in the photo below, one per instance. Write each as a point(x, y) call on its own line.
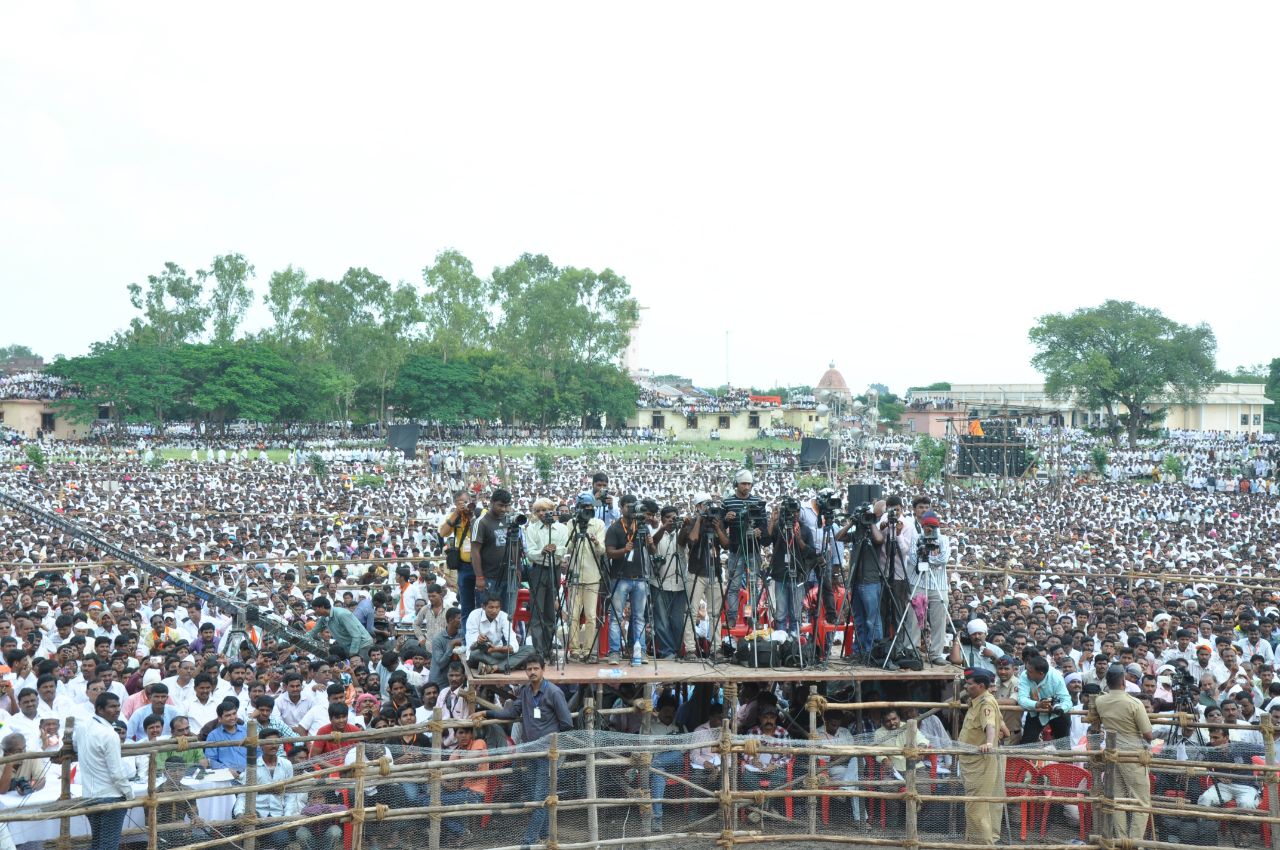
point(1272, 391)
point(171, 307)
point(1122, 357)
point(230, 296)
point(429, 388)
point(8, 352)
point(1098, 456)
point(1172, 465)
point(933, 458)
point(246, 380)
point(285, 292)
point(456, 306)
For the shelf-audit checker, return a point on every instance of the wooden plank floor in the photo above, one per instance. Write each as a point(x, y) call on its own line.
point(698, 671)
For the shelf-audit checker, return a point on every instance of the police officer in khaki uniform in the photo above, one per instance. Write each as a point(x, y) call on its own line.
point(1006, 693)
point(1126, 718)
point(981, 770)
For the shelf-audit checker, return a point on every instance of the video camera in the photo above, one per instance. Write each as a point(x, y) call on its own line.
point(517, 522)
point(828, 504)
point(1185, 690)
point(788, 510)
point(865, 514)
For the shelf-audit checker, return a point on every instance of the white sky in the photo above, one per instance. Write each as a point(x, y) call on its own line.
point(899, 187)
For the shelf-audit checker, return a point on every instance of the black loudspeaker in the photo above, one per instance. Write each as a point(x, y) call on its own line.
point(861, 494)
point(404, 438)
point(814, 452)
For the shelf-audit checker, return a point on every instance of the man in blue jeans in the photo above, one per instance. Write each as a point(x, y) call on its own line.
point(629, 546)
point(102, 775)
point(664, 724)
point(865, 589)
point(542, 710)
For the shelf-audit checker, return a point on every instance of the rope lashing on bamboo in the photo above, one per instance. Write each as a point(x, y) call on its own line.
point(643, 706)
point(813, 780)
point(751, 746)
point(553, 800)
point(816, 704)
point(911, 753)
point(435, 727)
point(380, 811)
point(469, 697)
point(758, 799)
point(642, 759)
point(384, 766)
point(183, 742)
point(337, 738)
point(1142, 757)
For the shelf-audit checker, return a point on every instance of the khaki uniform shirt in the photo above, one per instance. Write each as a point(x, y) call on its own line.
point(982, 711)
point(1124, 716)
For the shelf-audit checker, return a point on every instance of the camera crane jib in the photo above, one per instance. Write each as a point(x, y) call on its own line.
point(244, 612)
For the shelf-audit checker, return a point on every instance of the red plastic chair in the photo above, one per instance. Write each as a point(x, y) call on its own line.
point(521, 615)
point(1019, 771)
point(1067, 780)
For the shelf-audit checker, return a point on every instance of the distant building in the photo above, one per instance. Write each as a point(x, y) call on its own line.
point(738, 423)
point(1236, 408)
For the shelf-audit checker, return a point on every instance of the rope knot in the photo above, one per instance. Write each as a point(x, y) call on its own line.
point(643, 706)
point(642, 759)
point(553, 800)
point(911, 753)
point(751, 746)
point(183, 742)
point(380, 811)
point(384, 766)
point(816, 704)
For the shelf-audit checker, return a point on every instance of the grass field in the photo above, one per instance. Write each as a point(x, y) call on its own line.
point(709, 448)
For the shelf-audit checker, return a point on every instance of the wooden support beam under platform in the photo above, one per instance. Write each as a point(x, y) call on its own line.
point(670, 670)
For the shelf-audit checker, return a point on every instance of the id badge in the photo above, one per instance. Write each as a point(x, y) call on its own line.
point(537, 713)
point(631, 556)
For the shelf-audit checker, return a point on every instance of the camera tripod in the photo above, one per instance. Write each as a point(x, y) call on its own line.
point(927, 582)
point(899, 608)
point(788, 597)
point(752, 574)
point(708, 571)
point(863, 557)
point(567, 592)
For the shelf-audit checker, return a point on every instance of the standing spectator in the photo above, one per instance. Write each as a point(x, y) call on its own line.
point(101, 772)
point(542, 710)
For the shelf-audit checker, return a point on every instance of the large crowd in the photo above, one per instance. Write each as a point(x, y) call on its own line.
point(33, 385)
point(414, 571)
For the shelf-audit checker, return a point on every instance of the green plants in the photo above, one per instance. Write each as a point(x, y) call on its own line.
point(1098, 457)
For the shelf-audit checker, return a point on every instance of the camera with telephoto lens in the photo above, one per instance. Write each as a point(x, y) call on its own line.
point(516, 522)
point(788, 510)
point(865, 514)
point(828, 503)
point(585, 514)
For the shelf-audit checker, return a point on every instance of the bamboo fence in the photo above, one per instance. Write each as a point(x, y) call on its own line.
point(719, 798)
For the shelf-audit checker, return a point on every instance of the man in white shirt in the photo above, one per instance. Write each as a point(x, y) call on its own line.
point(101, 772)
point(489, 640)
point(202, 707)
point(294, 704)
point(182, 687)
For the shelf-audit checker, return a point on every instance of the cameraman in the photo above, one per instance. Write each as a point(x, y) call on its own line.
point(668, 582)
point(816, 520)
point(745, 524)
point(547, 540)
point(583, 566)
point(1043, 695)
point(603, 501)
point(929, 559)
point(490, 549)
point(895, 534)
point(703, 536)
point(792, 549)
point(867, 584)
point(629, 547)
point(456, 532)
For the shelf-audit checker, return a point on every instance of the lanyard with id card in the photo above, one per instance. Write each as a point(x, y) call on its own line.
point(537, 707)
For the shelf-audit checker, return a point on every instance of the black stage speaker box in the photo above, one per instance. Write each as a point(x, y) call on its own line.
point(404, 438)
point(814, 452)
point(861, 494)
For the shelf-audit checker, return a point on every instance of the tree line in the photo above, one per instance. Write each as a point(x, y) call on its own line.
point(531, 341)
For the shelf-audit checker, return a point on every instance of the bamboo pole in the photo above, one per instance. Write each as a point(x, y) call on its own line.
point(728, 812)
point(553, 785)
point(357, 804)
point(152, 808)
point(593, 813)
point(250, 781)
point(911, 794)
point(433, 833)
point(68, 756)
point(1103, 821)
point(1273, 788)
point(813, 766)
point(646, 731)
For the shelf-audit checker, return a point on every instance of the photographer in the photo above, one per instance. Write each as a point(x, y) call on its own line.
point(703, 537)
point(1043, 695)
point(929, 559)
point(867, 590)
point(668, 583)
point(792, 549)
point(745, 526)
point(456, 532)
point(547, 541)
point(629, 547)
point(489, 549)
point(817, 515)
point(973, 651)
point(895, 535)
point(582, 564)
point(603, 500)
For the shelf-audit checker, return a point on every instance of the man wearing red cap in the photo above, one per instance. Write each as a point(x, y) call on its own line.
point(927, 568)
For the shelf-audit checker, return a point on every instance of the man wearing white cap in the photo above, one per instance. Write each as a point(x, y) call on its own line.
point(745, 526)
point(978, 654)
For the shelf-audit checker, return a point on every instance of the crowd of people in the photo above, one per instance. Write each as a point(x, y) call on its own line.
point(33, 385)
point(1053, 594)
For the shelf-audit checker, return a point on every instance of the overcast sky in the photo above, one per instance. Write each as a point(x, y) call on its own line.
point(900, 188)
